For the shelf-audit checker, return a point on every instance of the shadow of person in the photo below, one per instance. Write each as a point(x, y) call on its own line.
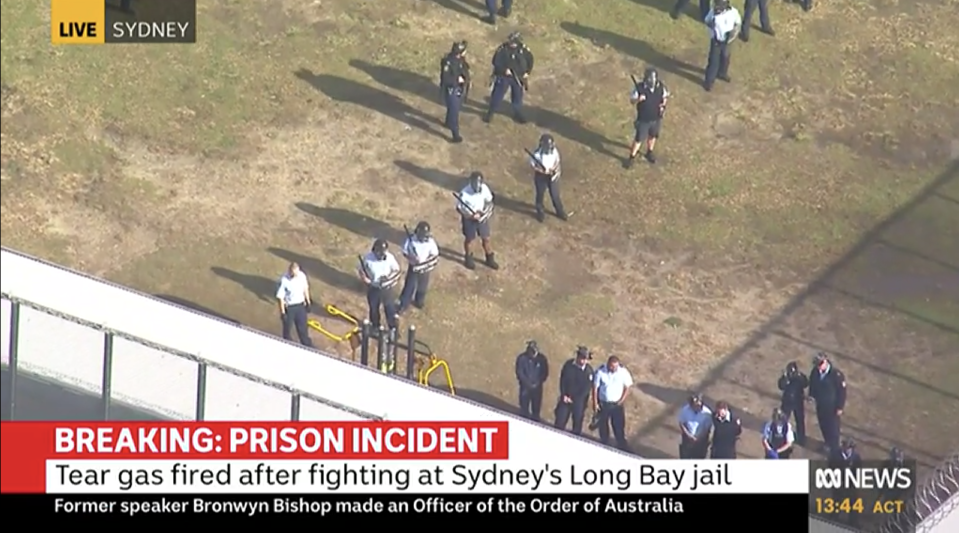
point(319, 269)
point(365, 226)
point(455, 183)
point(574, 131)
point(344, 90)
point(636, 48)
point(410, 83)
point(679, 397)
point(261, 287)
point(183, 302)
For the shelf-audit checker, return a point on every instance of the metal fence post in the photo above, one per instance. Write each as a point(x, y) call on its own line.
point(106, 389)
point(365, 343)
point(393, 350)
point(410, 352)
point(14, 348)
point(381, 349)
point(201, 392)
point(295, 408)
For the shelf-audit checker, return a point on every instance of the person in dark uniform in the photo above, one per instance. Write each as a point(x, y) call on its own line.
point(845, 456)
point(650, 98)
point(512, 65)
point(546, 172)
point(778, 436)
point(793, 384)
point(748, 10)
point(681, 6)
point(380, 272)
point(423, 254)
point(575, 391)
point(504, 11)
point(724, 24)
point(827, 386)
point(455, 83)
point(532, 371)
point(896, 460)
point(726, 431)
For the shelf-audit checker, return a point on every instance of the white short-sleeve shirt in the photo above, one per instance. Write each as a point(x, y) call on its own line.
point(610, 386)
point(722, 24)
point(476, 201)
point(292, 290)
point(547, 160)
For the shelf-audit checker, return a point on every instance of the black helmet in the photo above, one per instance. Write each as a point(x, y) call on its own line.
point(379, 247)
point(422, 230)
point(515, 38)
point(532, 347)
point(778, 416)
point(459, 48)
point(720, 5)
point(476, 180)
point(547, 143)
point(792, 367)
point(696, 400)
point(650, 77)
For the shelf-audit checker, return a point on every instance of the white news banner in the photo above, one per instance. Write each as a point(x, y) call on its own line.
point(296, 476)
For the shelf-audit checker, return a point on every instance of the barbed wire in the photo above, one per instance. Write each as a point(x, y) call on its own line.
point(936, 498)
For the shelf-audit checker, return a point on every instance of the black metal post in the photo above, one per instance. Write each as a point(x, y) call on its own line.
point(201, 392)
point(14, 353)
point(365, 333)
point(295, 408)
point(411, 352)
point(381, 349)
point(106, 389)
point(393, 350)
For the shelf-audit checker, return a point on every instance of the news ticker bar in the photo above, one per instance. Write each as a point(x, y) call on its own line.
point(122, 21)
point(666, 510)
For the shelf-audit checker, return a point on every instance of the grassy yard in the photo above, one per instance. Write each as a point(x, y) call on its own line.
point(811, 204)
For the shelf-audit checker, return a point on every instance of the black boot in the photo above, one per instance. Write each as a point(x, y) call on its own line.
point(540, 215)
point(491, 261)
point(469, 262)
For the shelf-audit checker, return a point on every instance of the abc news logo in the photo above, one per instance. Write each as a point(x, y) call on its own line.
point(865, 478)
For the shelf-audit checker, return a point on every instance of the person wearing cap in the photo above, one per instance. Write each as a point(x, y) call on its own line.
point(612, 383)
point(827, 386)
point(532, 371)
point(575, 391)
point(793, 385)
point(726, 432)
point(778, 436)
point(293, 297)
point(695, 423)
point(846, 457)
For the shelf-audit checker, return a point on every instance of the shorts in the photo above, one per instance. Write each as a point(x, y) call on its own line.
point(647, 130)
point(474, 228)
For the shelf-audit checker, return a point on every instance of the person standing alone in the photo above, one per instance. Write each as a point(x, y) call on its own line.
point(293, 297)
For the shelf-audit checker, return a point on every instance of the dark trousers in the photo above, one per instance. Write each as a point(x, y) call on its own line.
point(500, 86)
point(575, 410)
point(830, 426)
point(717, 65)
point(723, 452)
point(612, 418)
point(749, 10)
point(543, 184)
point(453, 98)
point(414, 290)
point(531, 402)
point(295, 318)
point(381, 298)
point(797, 410)
point(491, 6)
point(781, 455)
point(693, 449)
point(704, 8)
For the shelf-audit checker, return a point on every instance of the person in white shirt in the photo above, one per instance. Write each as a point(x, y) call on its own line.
point(612, 383)
point(475, 206)
point(695, 423)
point(423, 254)
point(380, 272)
point(293, 297)
point(724, 24)
point(546, 171)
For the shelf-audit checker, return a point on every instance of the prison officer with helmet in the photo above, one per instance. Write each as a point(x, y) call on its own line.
point(546, 171)
point(793, 384)
point(512, 65)
point(532, 371)
point(423, 254)
point(778, 436)
point(724, 24)
point(827, 386)
point(474, 203)
point(380, 271)
point(649, 97)
point(455, 83)
point(726, 432)
point(576, 391)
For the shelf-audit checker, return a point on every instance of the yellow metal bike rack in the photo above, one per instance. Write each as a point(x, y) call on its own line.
point(435, 363)
point(351, 336)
